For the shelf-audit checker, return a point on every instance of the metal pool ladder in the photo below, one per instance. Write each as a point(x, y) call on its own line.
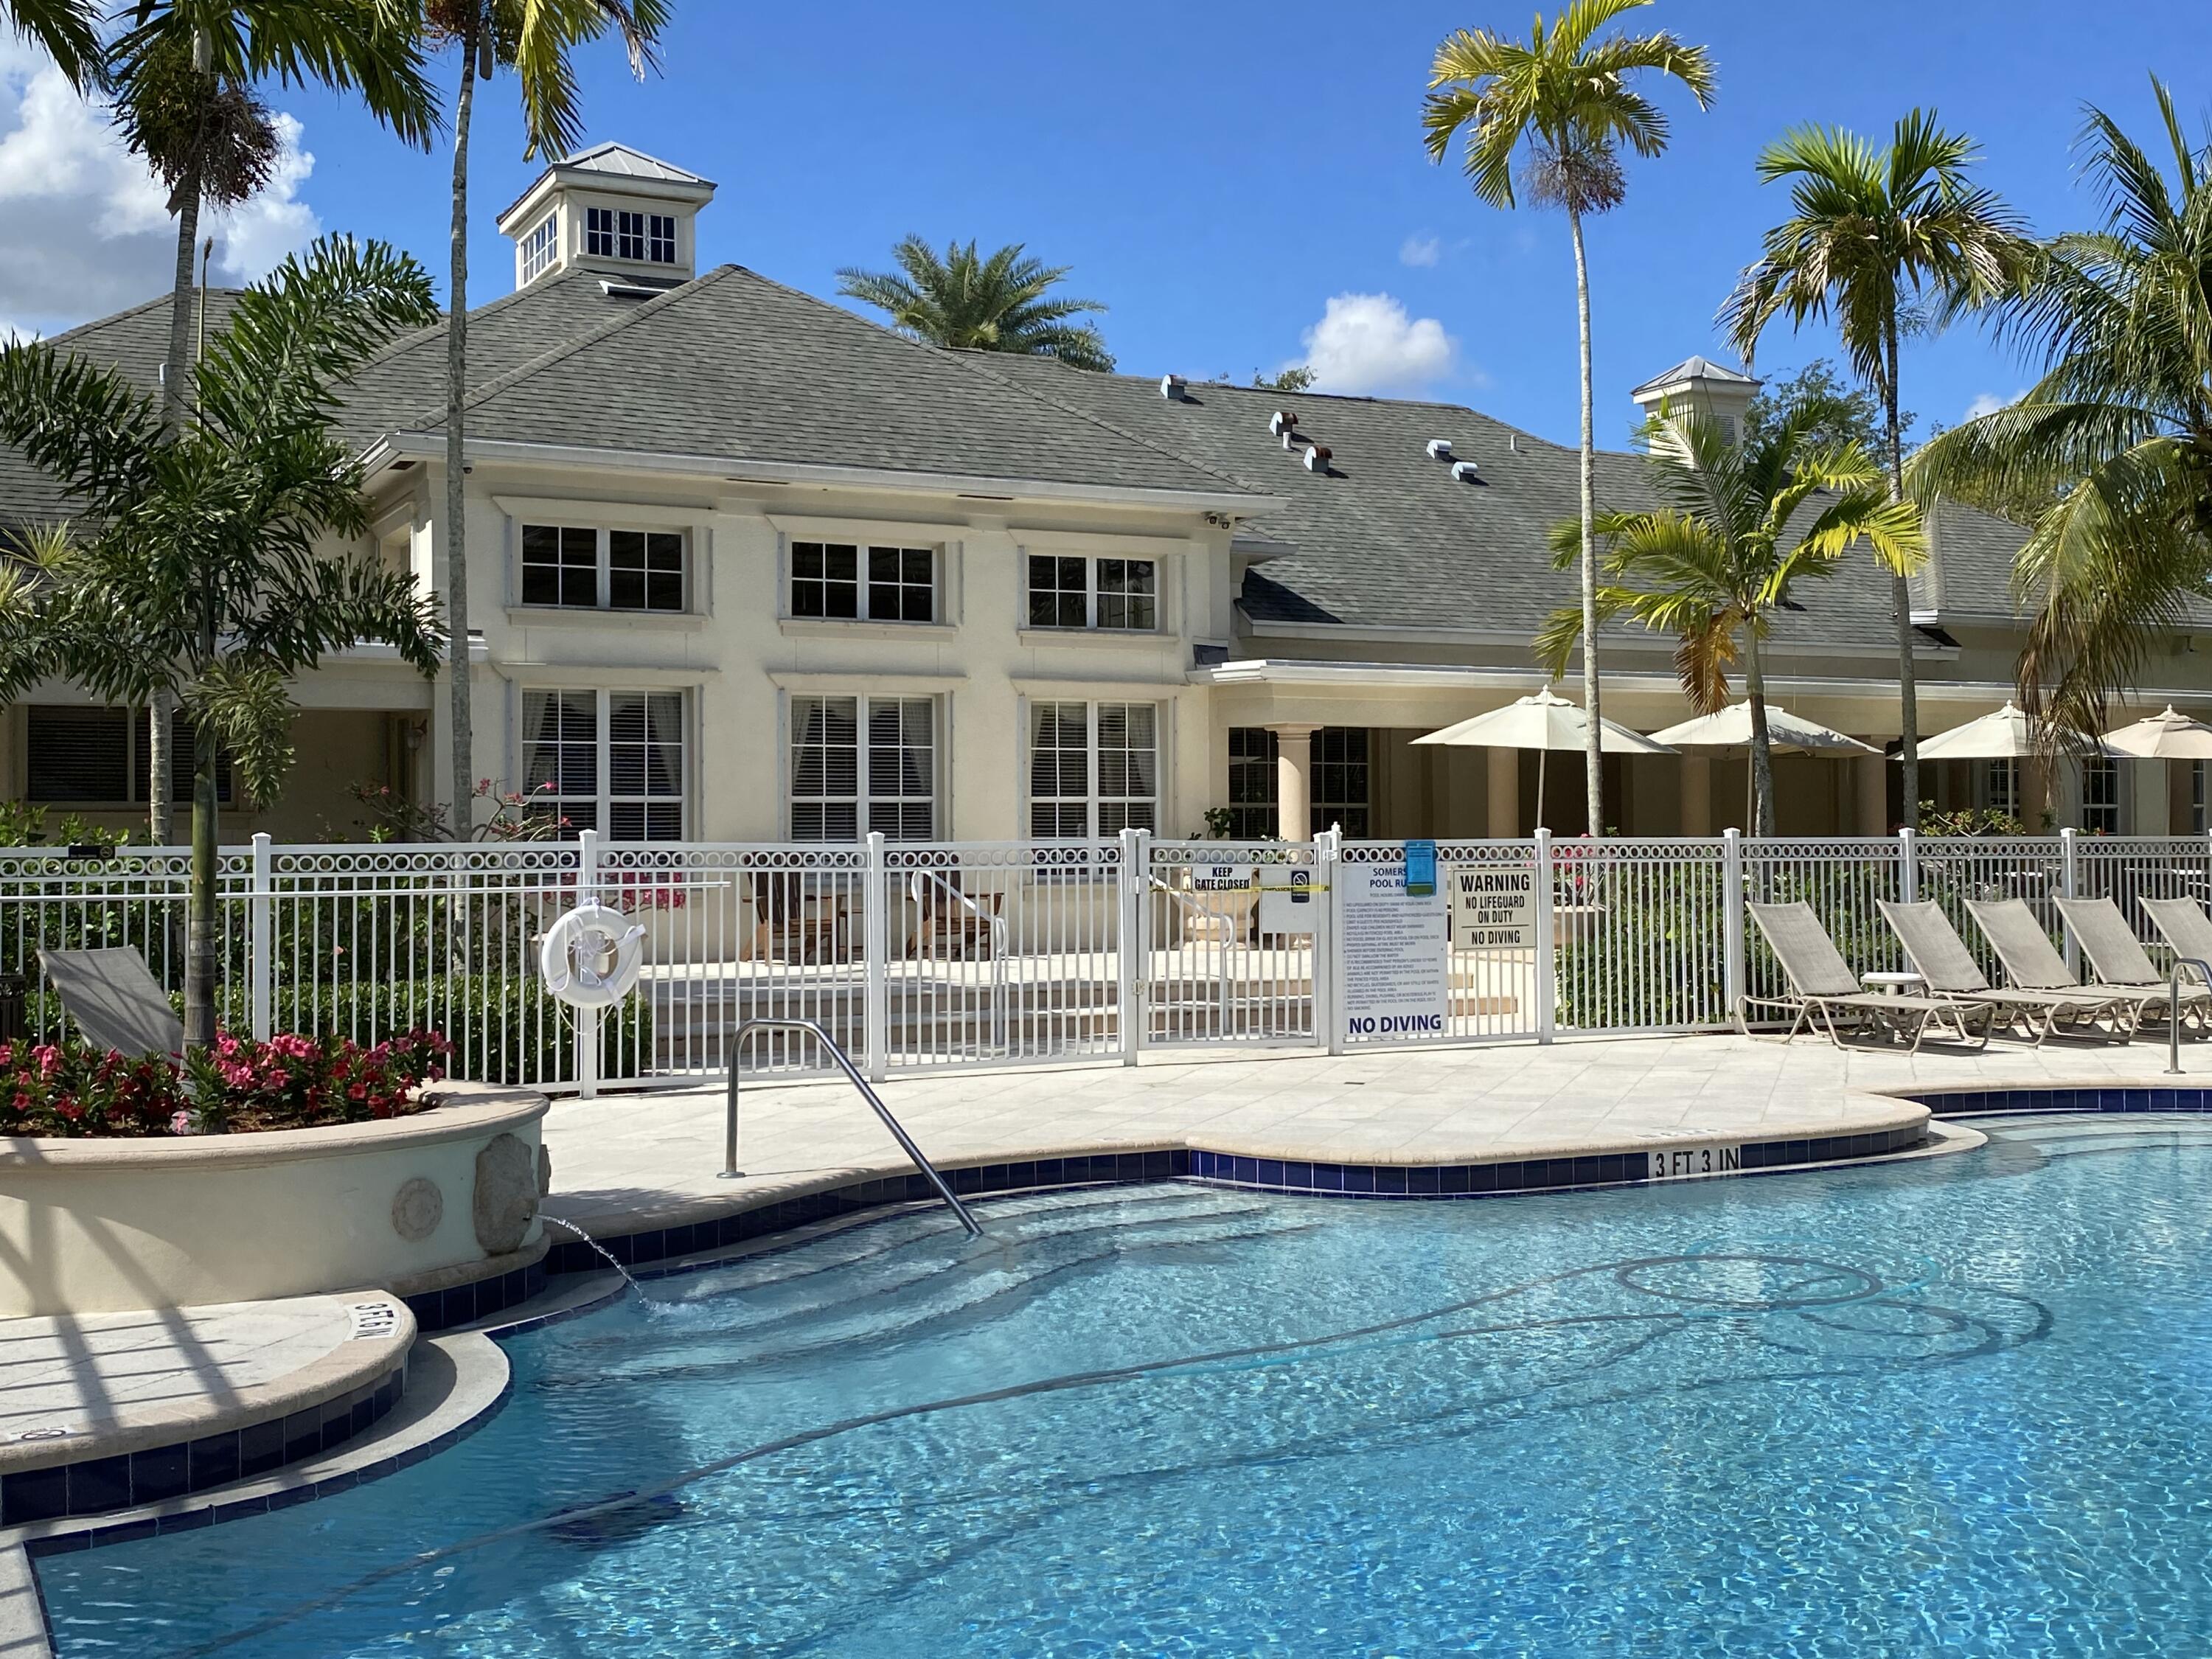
point(2174, 1007)
point(813, 1027)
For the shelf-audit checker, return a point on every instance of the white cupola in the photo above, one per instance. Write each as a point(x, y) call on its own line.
point(609, 209)
point(1700, 387)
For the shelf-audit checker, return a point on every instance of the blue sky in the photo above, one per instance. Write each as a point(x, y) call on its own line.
point(1219, 175)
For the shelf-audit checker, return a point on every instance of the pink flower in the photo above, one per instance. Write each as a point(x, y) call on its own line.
point(181, 1124)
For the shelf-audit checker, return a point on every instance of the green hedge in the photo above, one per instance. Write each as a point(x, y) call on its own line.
point(503, 1029)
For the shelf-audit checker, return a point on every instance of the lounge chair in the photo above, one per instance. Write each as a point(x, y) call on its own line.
point(115, 1000)
point(1823, 986)
point(1941, 957)
point(2121, 962)
point(2184, 925)
point(2033, 963)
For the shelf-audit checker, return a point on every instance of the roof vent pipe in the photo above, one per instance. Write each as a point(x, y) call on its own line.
point(1317, 459)
point(1292, 440)
point(1171, 387)
point(1280, 421)
point(1440, 449)
point(1465, 472)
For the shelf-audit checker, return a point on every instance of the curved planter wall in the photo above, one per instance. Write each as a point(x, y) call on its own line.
point(103, 1226)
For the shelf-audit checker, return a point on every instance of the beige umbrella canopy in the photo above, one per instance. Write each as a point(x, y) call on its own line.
point(1730, 728)
point(1542, 722)
point(2166, 735)
point(2009, 734)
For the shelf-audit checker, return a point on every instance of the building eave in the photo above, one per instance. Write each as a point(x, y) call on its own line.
point(431, 446)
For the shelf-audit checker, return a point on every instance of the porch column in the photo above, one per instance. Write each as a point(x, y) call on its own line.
point(1294, 781)
point(1873, 771)
point(1696, 795)
point(1503, 818)
point(2150, 781)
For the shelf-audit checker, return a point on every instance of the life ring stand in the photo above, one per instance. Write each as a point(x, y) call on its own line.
point(574, 945)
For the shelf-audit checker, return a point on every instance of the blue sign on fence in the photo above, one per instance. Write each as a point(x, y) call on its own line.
point(1420, 869)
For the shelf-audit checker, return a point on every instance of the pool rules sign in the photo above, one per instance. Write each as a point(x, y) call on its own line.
point(1396, 954)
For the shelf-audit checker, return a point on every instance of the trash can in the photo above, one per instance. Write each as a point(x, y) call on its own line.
point(13, 989)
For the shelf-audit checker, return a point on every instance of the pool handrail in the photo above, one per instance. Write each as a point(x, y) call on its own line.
point(2173, 1006)
point(814, 1028)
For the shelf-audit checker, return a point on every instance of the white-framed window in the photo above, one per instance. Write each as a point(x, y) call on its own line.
point(618, 234)
point(610, 760)
point(577, 567)
point(84, 756)
point(539, 247)
point(849, 582)
point(1094, 769)
point(2001, 786)
point(1121, 595)
point(1341, 776)
point(862, 765)
point(1252, 783)
point(2101, 795)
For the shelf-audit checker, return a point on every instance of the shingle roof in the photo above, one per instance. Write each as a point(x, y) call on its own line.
point(734, 365)
point(1695, 368)
point(1389, 539)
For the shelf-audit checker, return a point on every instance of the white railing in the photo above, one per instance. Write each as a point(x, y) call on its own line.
point(918, 957)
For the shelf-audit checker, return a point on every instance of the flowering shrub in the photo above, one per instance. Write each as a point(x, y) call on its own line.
point(288, 1083)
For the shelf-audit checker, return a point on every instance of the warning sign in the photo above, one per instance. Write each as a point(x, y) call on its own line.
point(1493, 907)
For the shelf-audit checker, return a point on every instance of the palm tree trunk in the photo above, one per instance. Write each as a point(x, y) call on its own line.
point(201, 965)
point(176, 376)
point(1908, 700)
point(1593, 755)
point(1762, 742)
point(457, 376)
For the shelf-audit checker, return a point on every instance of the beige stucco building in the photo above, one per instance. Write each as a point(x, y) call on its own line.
point(746, 567)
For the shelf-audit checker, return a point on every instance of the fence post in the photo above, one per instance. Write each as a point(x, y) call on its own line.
point(1547, 967)
point(2069, 886)
point(1327, 1032)
point(1908, 867)
point(1732, 925)
point(1329, 945)
point(1130, 954)
point(588, 1019)
point(261, 939)
point(875, 907)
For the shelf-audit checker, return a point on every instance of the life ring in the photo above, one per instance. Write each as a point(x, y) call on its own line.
point(575, 945)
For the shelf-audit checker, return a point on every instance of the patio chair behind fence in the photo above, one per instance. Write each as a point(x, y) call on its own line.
point(924, 957)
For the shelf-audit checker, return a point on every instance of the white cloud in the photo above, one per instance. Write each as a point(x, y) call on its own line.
point(1366, 342)
point(90, 227)
point(1420, 251)
point(1988, 403)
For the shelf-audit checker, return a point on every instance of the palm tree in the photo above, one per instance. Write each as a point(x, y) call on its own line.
point(1724, 550)
point(1563, 105)
point(184, 75)
point(533, 38)
point(2117, 434)
point(1881, 238)
point(962, 299)
point(202, 570)
point(67, 31)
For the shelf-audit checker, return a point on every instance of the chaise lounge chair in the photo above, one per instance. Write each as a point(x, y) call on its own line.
point(2184, 925)
point(2121, 962)
point(1823, 986)
point(1941, 957)
point(2032, 961)
point(115, 1000)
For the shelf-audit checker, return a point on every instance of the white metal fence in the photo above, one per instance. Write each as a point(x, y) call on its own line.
point(922, 957)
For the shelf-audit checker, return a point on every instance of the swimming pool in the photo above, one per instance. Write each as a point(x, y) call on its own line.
point(1958, 1403)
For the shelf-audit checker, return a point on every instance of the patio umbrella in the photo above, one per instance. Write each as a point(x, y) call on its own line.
point(2009, 734)
point(1729, 731)
point(1543, 723)
point(2166, 735)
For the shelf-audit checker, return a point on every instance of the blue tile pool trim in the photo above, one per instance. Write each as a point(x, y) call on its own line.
point(464, 1305)
point(1211, 1169)
point(95, 1486)
point(1969, 1103)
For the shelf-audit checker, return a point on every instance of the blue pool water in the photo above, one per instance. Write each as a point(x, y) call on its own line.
point(1958, 1405)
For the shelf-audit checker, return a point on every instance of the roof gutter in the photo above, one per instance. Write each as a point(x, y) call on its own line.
point(1400, 675)
point(431, 445)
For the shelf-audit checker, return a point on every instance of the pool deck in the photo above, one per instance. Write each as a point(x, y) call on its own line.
point(625, 1164)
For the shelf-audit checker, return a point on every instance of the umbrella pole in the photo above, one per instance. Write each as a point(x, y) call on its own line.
point(1540, 754)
